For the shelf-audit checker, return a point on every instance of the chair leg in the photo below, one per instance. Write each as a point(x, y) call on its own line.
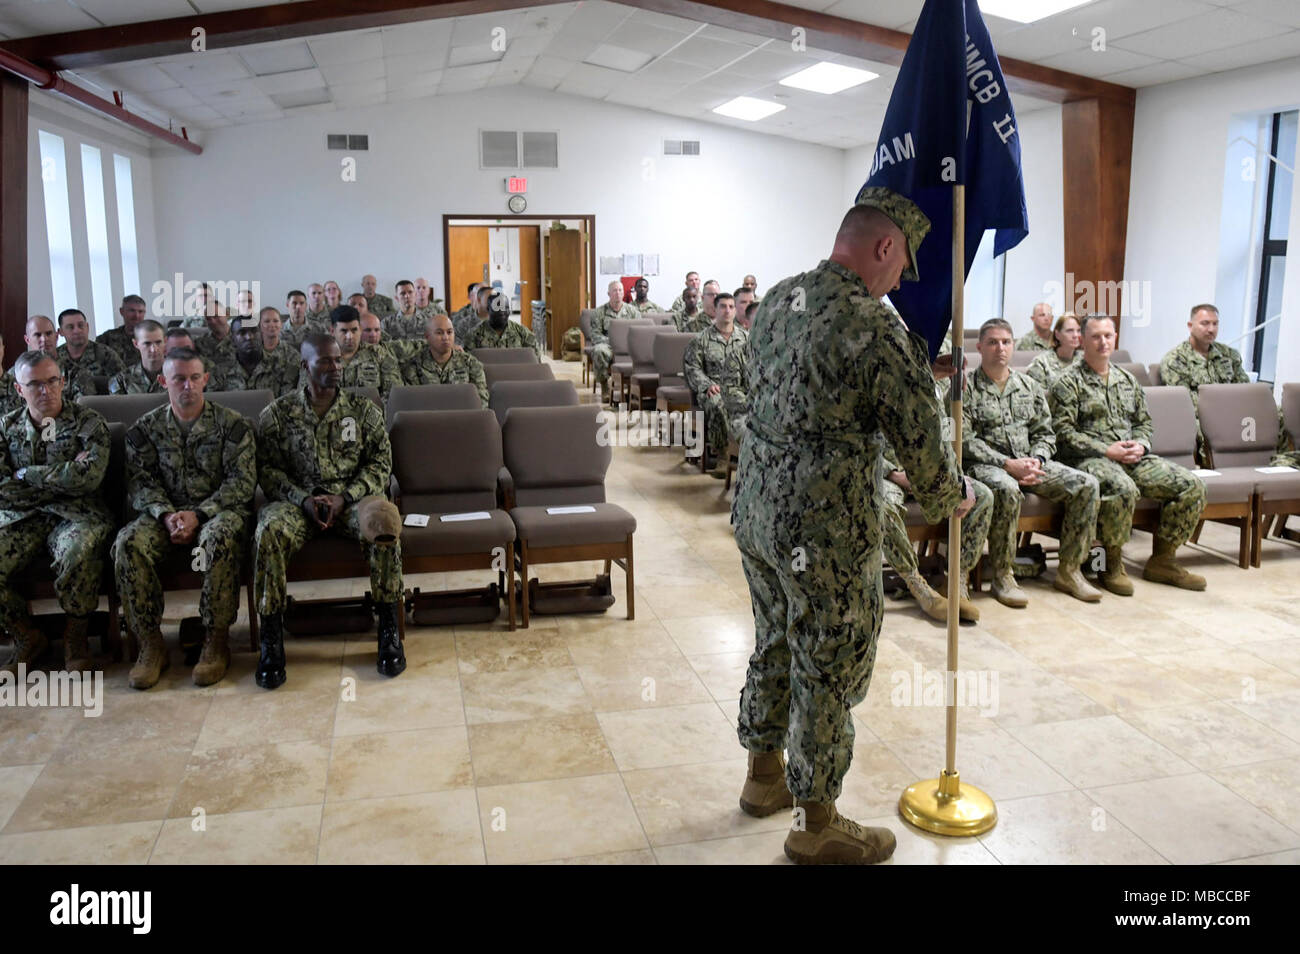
point(1243, 545)
point(510, 584)
point(631, 600)
point(1196, 534)
point(1256, 530)
point(523, 578)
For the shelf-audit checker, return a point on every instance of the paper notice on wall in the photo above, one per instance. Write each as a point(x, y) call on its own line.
point(649, 264)
point(611, 265)
point(631, 264)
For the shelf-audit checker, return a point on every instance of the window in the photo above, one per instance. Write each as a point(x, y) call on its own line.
point(126, 225)
point(58, 226)
point(1277, 212)
point(101, 276)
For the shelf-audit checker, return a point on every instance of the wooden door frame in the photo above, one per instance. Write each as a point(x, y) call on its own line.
point(452, 218)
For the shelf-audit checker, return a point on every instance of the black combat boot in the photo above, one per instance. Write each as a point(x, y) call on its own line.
point(270, 667)
point(392, 661)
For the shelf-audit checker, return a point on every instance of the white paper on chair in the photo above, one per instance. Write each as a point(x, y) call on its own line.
point(1275, 470)
point(581, 508)
point(416, 520)
point(458, 517)
point(1200, 472)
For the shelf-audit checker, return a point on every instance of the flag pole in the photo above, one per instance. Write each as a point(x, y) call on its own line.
point(944, 805)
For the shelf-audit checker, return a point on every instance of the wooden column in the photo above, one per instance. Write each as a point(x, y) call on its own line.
point(1097, 152)
point(13, 214)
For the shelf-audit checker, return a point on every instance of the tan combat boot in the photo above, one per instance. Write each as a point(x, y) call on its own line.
point(152, 663)
point(1007, 592)
point(214, 659)
point(931, 603)
point(76, 648)
point(1163, 568)
point(967, 612)
point(828, 838)
point(29, 643)
point(1070, 580)
point(765, 790)
point(1114, 578)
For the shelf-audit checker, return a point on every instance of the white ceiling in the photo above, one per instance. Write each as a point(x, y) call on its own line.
point(692, 68)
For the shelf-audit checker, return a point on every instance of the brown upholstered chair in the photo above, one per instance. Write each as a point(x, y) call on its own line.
point(660, 317)
point(1231, 441)
point(248, 403)
point(493, 373)
point(1120, 356)
point(506, 355)
point(509, 394)
point(1139, 371)
point(554, 460)
point(621, 368)
point(1229, 497)
point(123, 408)
point(430, 397)
point(1153, 372)
point(372, 393)
point(643, 378)
point(1021, 359)
point(465, 481)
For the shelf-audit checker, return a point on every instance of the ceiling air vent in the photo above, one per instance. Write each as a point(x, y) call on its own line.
point(336, 141)
point(541, 150)
point(498, 150)
point(359, 143)
point(681, 147)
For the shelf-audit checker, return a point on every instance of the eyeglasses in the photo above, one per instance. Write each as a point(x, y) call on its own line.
point(49, 384)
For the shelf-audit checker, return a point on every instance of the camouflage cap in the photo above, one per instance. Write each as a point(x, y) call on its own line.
point(905, 214)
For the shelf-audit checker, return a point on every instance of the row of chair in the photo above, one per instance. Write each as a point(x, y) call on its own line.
point(1239, 495)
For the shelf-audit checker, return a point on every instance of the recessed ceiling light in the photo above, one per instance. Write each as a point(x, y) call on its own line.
point(749, 108)
point(617, 58)
point(1027, 11)
point(829, 78)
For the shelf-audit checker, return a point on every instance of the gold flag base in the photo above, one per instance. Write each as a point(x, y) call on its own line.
point(945, 806)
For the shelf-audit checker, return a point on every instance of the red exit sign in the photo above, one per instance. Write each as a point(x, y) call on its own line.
point(516, 184)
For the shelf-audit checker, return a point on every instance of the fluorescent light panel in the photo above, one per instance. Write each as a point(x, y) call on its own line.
point(829, 78)
point(748, 108)
point(618, 58)
point(1027, 11)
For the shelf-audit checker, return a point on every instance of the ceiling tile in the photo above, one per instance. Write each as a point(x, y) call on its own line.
point(1089, 62)
point(426, 81)
point(265, 59)
point(347, 47)
point(33, 19)
point(633, 35)
point(354, 72)
point(716, 34)
point(885, 13)
point(291, 82)
point(664, 21)
point(1166, 71)
point(1286, 12)
point(710, 53)
point(416, 38)
point(139, 78)
point(212, 67)
point(1264, 50)
point(1186, 39)
point(117, 12)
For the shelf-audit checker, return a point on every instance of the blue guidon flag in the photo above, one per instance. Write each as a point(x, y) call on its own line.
point(950, 121)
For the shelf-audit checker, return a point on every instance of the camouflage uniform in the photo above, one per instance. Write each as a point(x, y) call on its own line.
point(299, 455)
point(514, 335)
point(123, 344)
point(464, 322)
point(685, 322)
point(897, 547)
point(401, 326)
point(135, 380)
point(1014, 423)
point(602, 354)
point(97, 359)
point(293, 335)
point(10, 399)
point(824, 379)
point(320, 318)
point(380, 305)
point(369, 367)
point(1089, 413)
point(1047, 367)
point(220, 360)
point(1184, 367)
point(1031, 342)
point(212, 471)
point(277, 372)
point(645, 307)
point(420, 367)
point(712, 359)
point(55, 508)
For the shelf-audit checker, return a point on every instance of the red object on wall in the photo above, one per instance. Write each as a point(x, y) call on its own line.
point(628, 281)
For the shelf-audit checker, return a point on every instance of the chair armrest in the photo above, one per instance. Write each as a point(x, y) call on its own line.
point(505, 489)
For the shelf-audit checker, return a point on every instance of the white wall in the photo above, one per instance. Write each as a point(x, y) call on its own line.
point(76, 126)
point(1180, 156)
point(277, 209)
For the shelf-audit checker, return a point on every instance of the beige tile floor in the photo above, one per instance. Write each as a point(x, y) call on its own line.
point(1159, 729)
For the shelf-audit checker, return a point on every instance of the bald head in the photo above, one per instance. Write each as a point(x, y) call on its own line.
point(441, 335)
point(41, 335)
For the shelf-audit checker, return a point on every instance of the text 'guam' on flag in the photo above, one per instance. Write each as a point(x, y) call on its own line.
point(949, 122)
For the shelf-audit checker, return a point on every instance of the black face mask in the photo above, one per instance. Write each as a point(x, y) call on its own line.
point(497, 321)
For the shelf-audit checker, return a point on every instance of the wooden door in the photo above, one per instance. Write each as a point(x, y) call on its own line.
point(530, 271)
point(467, 254)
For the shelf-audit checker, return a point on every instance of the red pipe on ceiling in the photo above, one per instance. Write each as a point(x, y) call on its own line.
point(55, 83)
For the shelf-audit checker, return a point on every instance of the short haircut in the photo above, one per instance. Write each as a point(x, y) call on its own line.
point(183, 354)
point(360, 295)
point(1202, 307)
point(316, 341)
point(149, 324)
point(133, 300)
point(711, 281)
point(484, 290)
point(405, 281)
point(344, 315)
point(178, 332)
point(1086, 319)
point(297, 291)
point(470, 289)
point(743, 290)
point(723, 296)
point(689, 274)
point(270, 308)
point(67, 312)
point(30, 359)
point(993, 323)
